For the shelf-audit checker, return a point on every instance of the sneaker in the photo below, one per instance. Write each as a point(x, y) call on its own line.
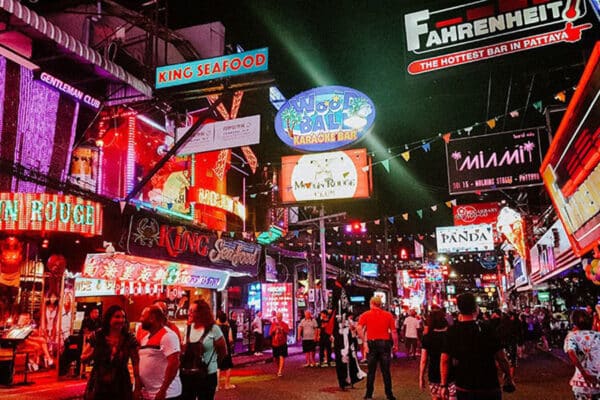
point(332, 364)
point(258, 353)
point(279, 374)
point(323, 365)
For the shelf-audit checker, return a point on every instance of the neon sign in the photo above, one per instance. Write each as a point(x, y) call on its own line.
point(222, 201)
point(49, 212)
point(70, 90)
point(325, 118)
point(212, 68)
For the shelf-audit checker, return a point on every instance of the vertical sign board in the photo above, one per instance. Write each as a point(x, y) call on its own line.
point(492, 162)
point(571, 169)
point(466, 32)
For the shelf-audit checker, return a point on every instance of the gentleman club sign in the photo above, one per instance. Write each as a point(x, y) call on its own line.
point(482, 30)
point(150, 237)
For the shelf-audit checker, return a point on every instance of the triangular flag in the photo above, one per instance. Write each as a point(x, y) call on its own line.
point(538, 106)
point(434, 208)
point(309, 231)
point(296, 233)
point(377, 221)
point(491, 123)
point(453, 201)
point(406, 155)
point(386, 165)
point(391, 219)
point(358, 242)
point(253, 195)
point(219, 233)
point(420, 213)
point(336, 228)
point(468, 130)
point(405, 216)
point(449, 204)
point(256, 234)
point(426, 147)
point(514, 113)
point(561, 96)
point(366, 168)
point(231, 234)
point(363, 226)
point(122, 205)
point(446, 137)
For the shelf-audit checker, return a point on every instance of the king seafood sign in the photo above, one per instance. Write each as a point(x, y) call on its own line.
point(493, 162)
point(481, 30)
point(151, 237)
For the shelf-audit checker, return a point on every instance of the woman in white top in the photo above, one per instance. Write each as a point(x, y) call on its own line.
point(203, 339)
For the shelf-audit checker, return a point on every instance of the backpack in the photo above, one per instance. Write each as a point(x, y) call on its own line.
point(279, 338)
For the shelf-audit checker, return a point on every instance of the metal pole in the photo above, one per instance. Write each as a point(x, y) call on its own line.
point(323, 258)
point(244, 203)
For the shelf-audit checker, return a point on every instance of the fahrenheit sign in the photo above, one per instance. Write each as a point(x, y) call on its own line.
point(213, 68)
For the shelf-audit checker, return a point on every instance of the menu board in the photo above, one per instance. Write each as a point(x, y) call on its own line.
point(278, 297)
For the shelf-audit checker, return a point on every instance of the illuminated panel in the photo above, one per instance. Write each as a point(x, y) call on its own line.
point(124, 268)
point(49, 212)
point(326, 176)
point(219, 200)
point(571, 168)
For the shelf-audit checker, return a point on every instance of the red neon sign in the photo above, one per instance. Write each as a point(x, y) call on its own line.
point(49, 212)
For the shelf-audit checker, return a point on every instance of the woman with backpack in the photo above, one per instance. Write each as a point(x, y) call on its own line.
point(279, 332)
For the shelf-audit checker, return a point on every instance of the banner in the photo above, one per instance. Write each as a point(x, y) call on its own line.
point(467, 32)
point(149, 236)
point(493, 162)
point(467, 238)
point(325, 176)
point(475, 213)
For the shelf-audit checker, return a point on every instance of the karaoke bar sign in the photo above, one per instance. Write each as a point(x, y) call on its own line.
point(50, 213)
point(475, 31)
point(492, 162)
point(150, 237)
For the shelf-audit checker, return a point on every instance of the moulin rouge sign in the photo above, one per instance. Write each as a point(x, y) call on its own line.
point(482, 30)
point(492, 162)
point(152, 238)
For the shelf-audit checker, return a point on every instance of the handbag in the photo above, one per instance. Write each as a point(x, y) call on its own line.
point(192, 363)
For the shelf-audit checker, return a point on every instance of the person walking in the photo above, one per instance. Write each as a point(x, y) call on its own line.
point(377, 328)
point(279, 332)
point(111, 348)
point(257, 331)
point(307, 333)
point(204, 349)
point(473, 348)
point(325, 339)
point(582, 346)
point(431, 351)
point(159, 356)
point(226, 364)
point(411, 326)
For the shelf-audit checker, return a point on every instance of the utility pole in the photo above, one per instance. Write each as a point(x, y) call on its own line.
point(321, 219)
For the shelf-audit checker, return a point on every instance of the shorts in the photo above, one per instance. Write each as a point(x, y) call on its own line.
point(280, 351)
point(308, 346)
point(436, 390)
point(226, 363)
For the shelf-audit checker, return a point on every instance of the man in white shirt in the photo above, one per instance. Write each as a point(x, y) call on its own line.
point(411, 334)
point(257, 330)
point(159, 357)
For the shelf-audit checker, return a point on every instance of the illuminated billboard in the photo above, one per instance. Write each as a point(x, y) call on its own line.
point(326, 176)
point(50, 213)
point(324, 118)
point(466, 238)
point(571, 170)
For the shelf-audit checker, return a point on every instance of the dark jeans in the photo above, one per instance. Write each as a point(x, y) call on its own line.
point(258, 342)
point(479, 395)
point(201, 389)
point(325, 344)
point(379, 353)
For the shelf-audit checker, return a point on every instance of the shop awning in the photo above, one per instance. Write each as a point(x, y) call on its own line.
point(125, 268)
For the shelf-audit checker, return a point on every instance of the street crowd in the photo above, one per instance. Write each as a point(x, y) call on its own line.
point(466, 355)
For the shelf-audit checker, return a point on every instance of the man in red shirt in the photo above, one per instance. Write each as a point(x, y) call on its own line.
point(380, 335)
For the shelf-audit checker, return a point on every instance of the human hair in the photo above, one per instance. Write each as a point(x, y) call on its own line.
point(466, 303)
point(203, 315)
point(581, 319)
point(112, 310)
point(157, 312)
point(221, 316)
point(437, 320)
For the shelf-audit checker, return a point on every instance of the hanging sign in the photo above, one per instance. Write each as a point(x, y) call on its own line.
point(467, 238)
point(464, 33)
point(49, 212)
point(212, 68)
point(324, 118)
point(493, 162)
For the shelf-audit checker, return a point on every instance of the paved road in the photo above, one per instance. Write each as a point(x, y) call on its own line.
point(539, 377)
